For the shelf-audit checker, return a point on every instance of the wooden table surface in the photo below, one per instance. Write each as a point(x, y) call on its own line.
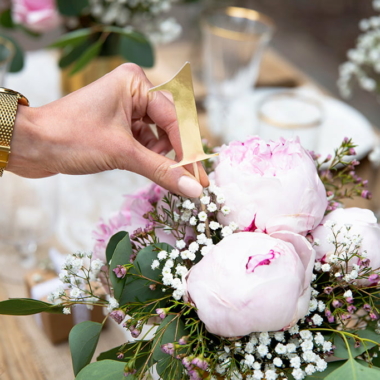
point(25, 352)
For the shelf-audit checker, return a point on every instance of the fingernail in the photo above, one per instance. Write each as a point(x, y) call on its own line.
point(189, 187)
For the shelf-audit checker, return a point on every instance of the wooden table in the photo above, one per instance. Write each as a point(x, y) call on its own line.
point(25, 352)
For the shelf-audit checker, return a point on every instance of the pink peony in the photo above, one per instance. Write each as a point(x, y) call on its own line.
point(37, 15)
point(130, 218)
point(270, 186)
point(362, 222)
point(253, 282)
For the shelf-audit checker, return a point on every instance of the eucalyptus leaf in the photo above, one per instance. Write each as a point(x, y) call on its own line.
point(73, 38)
point(113, 242)
point(121, 256)
point(353, 370)
point(341, 349)
point(27, 306)
point(138, 37)
point(88, 55)
point(103, 370)
point(6, 19)
point(170, 330)
point(138, 349)
point(83, 340)
point(136, 51)
point(71, 7)
point(18, 60)
point(71, 53)
point(141, 275)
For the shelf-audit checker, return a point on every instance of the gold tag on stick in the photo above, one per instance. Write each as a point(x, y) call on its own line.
point(181, 87)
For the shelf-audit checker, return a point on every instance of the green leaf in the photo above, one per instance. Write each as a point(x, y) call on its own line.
point(341, 349)
point(138, 37)
point(73, 38)
point(141, 275)
point(353, 370)
point(87, 56)
point(103, 370)
point(71, 7)
point(83, 340)
point(6, 19)
point(18, 60)
point(27, 306)
point(71, 53)
point(136, 50)
point(121, 256)
point(113, 242)
point(139, 349)
point(170, 330)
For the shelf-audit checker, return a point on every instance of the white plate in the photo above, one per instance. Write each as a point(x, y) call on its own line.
point(340, 120)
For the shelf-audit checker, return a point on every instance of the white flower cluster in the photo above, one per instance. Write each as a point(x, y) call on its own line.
point(266, 355)
point(364, 60)
point(317, 307)
point(79, 276)
point(348, 246)
point(198, 217)
point(140, 15)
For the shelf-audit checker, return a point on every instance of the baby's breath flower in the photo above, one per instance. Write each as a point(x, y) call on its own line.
point(212, 207)
point(214, 225)
point(201, 227)
point(155, 264)
point(202, 216)
point(180, 244)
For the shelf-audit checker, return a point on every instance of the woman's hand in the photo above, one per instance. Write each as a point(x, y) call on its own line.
point(104, 126)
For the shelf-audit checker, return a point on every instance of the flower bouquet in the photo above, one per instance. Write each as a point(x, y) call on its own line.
point(123, 28)
point(266, 276)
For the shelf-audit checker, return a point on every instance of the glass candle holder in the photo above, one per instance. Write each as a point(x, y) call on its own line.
point(290, 115)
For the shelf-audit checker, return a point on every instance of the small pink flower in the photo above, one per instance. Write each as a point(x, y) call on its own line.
point(120, 271)
point(168, 348)
point(367, 307)
point(118, 315)
point(161, 312)
point(337, 304)
point(351, 309)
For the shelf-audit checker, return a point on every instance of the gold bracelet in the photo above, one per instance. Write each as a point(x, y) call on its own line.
point(9, 101)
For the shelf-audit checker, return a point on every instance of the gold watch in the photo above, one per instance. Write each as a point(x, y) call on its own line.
point(9, 101)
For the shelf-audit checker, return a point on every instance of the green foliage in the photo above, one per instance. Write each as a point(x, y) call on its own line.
point(72, 39)
point(71, 53)
point(137, 352)
point(134, 47)
point(141, 275)
point(71, 7)
point(112, 244)
point(18, 60)
point(353, 370)
point(121, 256)
point(88, 55)
point(26, 306)
point(6, 20)
point(83, 340)
point(341, 349)
point(103, 370)
point(171, 330)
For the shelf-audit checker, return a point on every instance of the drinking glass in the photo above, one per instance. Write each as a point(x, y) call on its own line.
point(28, 213)
point(233, 42)
point(7, 52)
point(290, 115)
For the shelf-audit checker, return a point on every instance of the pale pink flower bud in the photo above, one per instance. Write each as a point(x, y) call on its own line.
point(363, 223)
point(162, 312)
point(367, 307)
point(36, 15)
point(168, 348)
point(336, 304)
point(262, 268)
point(288, 194)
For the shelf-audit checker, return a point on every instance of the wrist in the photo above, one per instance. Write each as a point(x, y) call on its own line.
point(25, 157)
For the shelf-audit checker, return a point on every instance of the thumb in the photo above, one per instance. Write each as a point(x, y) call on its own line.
point(157, 168)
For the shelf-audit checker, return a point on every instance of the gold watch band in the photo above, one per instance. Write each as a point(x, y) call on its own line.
point(9, 101)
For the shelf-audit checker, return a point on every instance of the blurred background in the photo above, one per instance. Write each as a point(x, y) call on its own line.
point(314, 35)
